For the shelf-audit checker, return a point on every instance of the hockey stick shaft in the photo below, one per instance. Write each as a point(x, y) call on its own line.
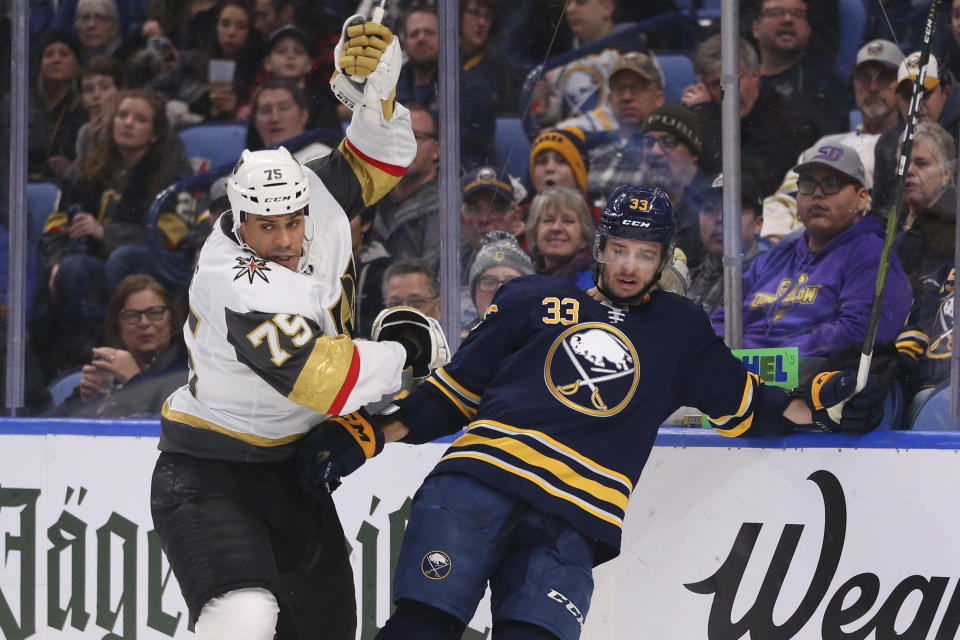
point(903, 164)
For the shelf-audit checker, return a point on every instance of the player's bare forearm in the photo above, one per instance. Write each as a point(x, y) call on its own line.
point(797, 412)
point(394, 430)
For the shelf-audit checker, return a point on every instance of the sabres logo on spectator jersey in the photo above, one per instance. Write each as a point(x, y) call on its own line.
point(436, 565)
point(252, 267)
point(592, 368)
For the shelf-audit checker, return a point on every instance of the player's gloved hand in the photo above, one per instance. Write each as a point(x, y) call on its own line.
point(336, 448)
point(368, 60)
point(420, 335)
point(361, 46)
point(861, 412)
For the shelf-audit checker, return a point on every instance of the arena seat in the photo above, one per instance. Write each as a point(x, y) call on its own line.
point(677, 73)
point(853, 20)
point(43, 198)
point(932, 411)
point(61, 388)
point(512, 147)
point(212, 145)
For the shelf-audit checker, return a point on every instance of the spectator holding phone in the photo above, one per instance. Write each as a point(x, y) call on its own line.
point(230, 61)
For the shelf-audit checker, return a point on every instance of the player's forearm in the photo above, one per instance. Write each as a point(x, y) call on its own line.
point(394, 430)
point(798, 412)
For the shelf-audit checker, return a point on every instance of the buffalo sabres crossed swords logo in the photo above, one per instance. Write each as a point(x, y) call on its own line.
point(592, 368)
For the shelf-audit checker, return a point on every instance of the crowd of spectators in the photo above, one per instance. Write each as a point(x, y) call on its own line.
point(112, 81)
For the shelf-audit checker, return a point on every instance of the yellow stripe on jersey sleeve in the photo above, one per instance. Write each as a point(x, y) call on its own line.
point(469, 412)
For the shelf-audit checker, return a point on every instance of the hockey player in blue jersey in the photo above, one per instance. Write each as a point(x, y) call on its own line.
point(562, 392)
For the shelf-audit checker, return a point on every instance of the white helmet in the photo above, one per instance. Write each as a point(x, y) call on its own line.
point(267, 183)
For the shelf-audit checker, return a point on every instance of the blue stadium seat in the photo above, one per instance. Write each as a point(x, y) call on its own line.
point(855, 118)
point(892, 408)
point(853, 20)
point(932, 413)
point(61, 388)
point(677, 73)
point(710, 11)
point(213, 145)
point(43, 198)
point(512, 147)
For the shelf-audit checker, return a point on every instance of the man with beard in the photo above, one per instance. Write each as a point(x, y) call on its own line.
point(874, 90)
point(808, 93)
point(671, 145)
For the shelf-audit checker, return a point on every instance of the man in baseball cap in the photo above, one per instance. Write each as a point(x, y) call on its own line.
point(706, 281)
point(815, 291)
point(488, 204)
point(874, 84)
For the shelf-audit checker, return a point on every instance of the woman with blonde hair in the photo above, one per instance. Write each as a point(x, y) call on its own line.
point(559, 232)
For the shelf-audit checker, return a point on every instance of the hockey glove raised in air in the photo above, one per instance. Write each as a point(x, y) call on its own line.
point(861, 412)
point(368, 60)
point(336, 448)
point(420, 335)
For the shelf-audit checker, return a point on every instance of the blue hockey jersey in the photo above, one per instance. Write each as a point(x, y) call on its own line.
point(563, 396)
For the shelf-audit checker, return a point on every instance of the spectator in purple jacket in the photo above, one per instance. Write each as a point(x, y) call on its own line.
point(815, 292)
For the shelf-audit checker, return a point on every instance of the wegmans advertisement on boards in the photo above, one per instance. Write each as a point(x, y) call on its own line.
point(720, 543)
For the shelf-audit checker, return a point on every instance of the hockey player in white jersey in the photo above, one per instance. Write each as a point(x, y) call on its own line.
point(271, 356)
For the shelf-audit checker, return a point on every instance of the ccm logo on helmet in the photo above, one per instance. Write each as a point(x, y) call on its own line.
point(280, 199)
point(635, 223)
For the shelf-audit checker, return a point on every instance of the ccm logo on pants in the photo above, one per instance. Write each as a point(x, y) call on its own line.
point(562, 599)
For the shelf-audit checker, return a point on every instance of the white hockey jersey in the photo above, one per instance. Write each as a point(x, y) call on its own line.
point(271, 353)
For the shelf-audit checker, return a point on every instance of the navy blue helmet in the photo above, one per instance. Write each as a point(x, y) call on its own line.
point(635, 213)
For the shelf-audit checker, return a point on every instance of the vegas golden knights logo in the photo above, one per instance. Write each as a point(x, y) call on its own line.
point(592, 368)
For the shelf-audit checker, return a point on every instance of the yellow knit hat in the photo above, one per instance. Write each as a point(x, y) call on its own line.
point(570, 143)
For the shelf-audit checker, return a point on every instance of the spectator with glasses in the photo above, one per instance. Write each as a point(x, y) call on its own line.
point(144, 358)
point(408, 217)
point(500, 259)
point(939, 104)
point(874, 85)
point(412, 282)
point(671, 148)
point(636, 89)
point(815, 292)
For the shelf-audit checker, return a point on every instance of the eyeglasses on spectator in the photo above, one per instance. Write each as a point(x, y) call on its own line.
point(132, 316)
point(490, 283)
point(829, 185)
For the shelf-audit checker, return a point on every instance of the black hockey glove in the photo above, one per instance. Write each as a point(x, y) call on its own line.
point(336, 448)
point(861, 412)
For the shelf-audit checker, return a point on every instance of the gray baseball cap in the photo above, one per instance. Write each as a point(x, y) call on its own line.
point(838, 157)
point(882, 51)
